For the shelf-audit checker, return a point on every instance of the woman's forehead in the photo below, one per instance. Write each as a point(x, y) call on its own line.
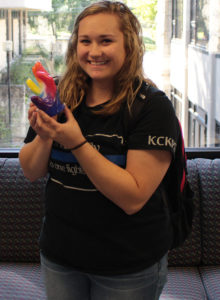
point(101, 23)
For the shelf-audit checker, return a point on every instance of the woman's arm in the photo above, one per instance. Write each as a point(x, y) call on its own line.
point(34, 156)
point(129, 188)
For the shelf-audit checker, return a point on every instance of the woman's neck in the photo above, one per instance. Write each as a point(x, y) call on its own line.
point(98, 94)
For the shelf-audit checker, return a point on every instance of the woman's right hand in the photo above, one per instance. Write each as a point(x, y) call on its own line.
point(36, 121)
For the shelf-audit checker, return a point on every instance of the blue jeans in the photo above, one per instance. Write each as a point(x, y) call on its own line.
point(66, 283)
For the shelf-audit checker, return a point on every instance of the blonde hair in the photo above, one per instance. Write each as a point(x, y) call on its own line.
point(75, 82)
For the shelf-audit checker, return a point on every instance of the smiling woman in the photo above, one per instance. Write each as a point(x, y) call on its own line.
point(113, 198)
point(101, 53)
point(106, 233)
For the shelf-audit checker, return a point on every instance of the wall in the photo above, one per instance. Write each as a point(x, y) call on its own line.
point(177, 65)
point(203, 87)
point(198, 77)
point(203, 76)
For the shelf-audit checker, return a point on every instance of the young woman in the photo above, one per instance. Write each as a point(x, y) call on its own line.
point(105, 234)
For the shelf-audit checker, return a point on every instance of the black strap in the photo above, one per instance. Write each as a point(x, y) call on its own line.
point(130, 118)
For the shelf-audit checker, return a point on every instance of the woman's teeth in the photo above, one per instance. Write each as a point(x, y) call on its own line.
point(97, 63)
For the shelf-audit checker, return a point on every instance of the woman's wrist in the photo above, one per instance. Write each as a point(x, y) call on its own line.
point(78, 146)
point(44, 140)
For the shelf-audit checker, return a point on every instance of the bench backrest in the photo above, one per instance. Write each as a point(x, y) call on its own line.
point(21, 212)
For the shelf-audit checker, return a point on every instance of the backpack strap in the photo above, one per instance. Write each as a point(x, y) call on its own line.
point(130, 117)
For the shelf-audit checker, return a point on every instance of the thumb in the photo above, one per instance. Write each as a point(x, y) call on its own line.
point(68, 113)
point(50, 121)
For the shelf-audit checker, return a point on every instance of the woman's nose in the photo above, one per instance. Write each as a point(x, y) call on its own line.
point(95, 50)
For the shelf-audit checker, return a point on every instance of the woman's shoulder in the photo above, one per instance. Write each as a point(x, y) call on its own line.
point(149, 91)
point(151, 97)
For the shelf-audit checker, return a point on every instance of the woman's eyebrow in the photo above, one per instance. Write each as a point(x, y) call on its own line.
point(83, 36)
point(101, 36)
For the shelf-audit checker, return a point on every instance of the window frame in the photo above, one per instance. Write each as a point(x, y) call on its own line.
point(210, 152)
point(197, 125)
point(177, 24)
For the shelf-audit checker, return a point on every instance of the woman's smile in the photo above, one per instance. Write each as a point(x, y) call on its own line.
point(98, 63)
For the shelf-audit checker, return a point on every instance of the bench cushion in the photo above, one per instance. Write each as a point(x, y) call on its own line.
point(21, 212)
point(211, 281)
point(21, 281)
point(184, 283)
point(209, 177)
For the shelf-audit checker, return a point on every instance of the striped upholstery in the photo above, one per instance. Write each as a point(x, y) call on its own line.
point(211, 279)
point(183, 284)
point(21, 281)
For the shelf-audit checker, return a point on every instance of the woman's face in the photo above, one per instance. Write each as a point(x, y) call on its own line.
point(100, 47)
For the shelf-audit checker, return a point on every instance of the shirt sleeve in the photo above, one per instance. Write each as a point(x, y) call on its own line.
point(156, 126)
point(31, 134)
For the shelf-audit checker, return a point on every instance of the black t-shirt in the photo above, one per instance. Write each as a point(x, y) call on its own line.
point(83, 228)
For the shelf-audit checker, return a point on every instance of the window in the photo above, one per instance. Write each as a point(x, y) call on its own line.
point(217, 133)
point(40, 35)
point(199, 30)
point(176, 98)
point(194, 71)
point(177, 19)
point(197, 120)
point(2, 14)
point(16, 35)
point(197, 126)
point(44, 36)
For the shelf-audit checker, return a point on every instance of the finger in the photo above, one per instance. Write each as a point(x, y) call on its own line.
point(31, 104)
point(44, 116)
point(33, 119)
point(30, 112)
point(41, 125)
point(49, 121)
point(40, 128)
point(68, 113)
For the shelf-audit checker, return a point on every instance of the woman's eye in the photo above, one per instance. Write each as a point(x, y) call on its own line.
point(85, 41)
point(107, 41)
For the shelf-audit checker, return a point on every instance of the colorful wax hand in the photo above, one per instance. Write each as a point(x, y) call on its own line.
point(46, 97)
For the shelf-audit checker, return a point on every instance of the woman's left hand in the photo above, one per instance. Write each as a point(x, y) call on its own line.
point(67, 134)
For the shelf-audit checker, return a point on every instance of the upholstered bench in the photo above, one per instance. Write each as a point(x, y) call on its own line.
point(194, 268)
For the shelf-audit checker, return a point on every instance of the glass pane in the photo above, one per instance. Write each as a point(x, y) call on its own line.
point(179, 19)
point(43, 36)
point(34, 36)
point(202, 22)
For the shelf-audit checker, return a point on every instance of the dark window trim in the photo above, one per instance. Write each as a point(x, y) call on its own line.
point(191, 153)
point(209, 153)
point(9, 153)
